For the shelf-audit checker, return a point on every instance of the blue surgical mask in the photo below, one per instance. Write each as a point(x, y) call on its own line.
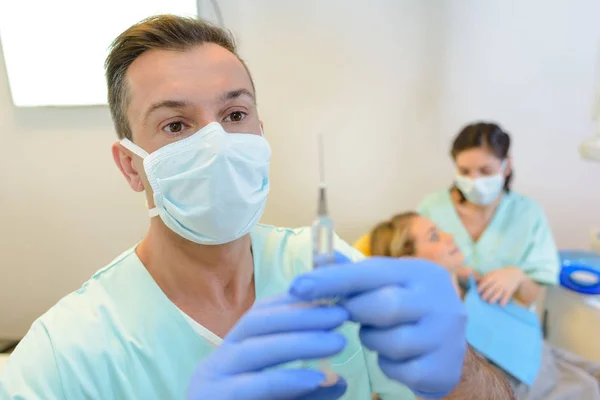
point(211, 187)
point(483, 190)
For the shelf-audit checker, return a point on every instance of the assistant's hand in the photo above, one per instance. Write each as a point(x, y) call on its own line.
point(272, 333)
point(410, 314)
point(500, 285)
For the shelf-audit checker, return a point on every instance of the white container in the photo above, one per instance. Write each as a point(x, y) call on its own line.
point(572, 321)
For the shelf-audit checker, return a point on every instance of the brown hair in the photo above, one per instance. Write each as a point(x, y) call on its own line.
point(381, 238)
point(168, 32)
point(393, 238)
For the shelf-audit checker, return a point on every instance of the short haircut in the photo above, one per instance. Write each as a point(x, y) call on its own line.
point(168, 32)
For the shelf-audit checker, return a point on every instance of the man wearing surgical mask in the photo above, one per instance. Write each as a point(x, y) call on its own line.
point(210, 303)
point(507, 241)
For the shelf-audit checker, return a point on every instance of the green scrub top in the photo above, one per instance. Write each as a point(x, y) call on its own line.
point(518, 235)
point(120, 337)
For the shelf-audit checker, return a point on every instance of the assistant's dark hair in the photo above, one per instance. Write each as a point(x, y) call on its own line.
point(483, 135)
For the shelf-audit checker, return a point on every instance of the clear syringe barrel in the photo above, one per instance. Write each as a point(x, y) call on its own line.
point(322, 232)
point(323, 254)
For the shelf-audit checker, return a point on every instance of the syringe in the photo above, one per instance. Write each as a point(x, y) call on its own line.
point(323, 251)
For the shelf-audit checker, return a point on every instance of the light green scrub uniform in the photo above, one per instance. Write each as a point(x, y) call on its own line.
point(120, 337)
point(518, 235)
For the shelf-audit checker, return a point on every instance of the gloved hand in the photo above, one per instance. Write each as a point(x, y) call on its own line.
point(410, 315)
point(273, 332)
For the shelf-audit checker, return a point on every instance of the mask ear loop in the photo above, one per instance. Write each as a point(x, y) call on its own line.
point(153, 212)
point(137, 150)
point(134, 148)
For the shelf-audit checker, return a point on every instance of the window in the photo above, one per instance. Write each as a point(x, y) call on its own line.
point(54, 51)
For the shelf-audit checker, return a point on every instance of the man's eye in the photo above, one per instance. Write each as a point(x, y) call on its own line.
point(174, 127)
point(435, 237)
point(235, 116)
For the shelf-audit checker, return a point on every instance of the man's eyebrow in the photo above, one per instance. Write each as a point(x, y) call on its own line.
point(165, 104)
point(234, 94)
point(230, 95)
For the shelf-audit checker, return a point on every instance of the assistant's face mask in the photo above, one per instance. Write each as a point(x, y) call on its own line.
point(211, 187)
point(483, 190)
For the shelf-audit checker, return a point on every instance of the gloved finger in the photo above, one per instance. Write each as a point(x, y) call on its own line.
point(273, 384)
point(287, 318)
point(330, 392)
point(395, 305)
point(428, 376)
point(281, 300)
point(260, 352)
point(372, 273)
point(399, 343)
point(339, 258)
point(323, 261)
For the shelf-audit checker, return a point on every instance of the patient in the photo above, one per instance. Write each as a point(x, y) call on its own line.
point(563, 376)
point(409, 234)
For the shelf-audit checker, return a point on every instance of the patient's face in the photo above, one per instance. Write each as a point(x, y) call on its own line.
point(435, 245)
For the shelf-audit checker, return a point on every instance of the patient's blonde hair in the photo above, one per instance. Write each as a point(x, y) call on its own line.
point(393, 238)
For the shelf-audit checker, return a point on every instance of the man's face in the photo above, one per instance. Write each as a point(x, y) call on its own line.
point(174, 94)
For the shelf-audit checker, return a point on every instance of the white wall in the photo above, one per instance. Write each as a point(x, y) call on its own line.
point(366, 77)
point(388, 84)
point(531, 65)
point(64, 209)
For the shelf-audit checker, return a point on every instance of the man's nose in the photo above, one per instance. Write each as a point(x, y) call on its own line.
point(204, 121)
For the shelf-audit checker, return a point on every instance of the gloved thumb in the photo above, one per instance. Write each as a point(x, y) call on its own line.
point(324, 260)
point(341, 258)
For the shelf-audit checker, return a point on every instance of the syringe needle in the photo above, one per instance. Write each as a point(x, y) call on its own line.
point(321, 160)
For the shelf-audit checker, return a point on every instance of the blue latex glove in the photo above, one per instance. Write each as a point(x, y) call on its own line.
point(410, 314)
point(272, 333)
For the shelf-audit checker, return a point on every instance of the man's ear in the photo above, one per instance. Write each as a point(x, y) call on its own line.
point(127, 165)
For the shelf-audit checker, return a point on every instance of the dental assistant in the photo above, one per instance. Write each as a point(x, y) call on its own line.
point(210, 301)
point(505, 237)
